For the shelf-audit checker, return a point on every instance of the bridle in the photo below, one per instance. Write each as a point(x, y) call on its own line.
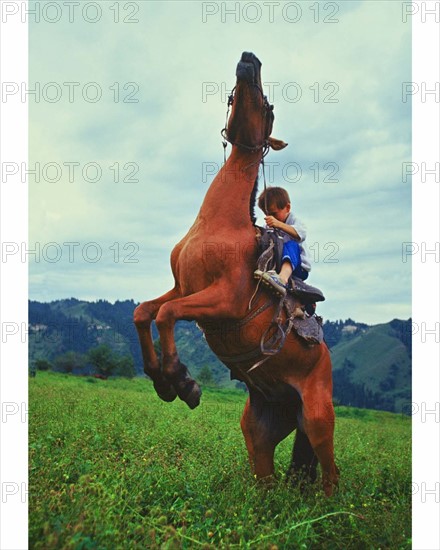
point(252, 148)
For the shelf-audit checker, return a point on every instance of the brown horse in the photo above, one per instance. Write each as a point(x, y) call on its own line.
point(213, 270)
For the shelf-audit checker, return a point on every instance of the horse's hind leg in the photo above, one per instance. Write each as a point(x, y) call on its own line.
point(264, 424)
point(319, 422)
point(144, 315)
point(304, 460)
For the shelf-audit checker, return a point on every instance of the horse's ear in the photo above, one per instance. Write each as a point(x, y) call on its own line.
point(276, 144)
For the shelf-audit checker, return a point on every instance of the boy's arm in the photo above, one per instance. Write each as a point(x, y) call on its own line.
point(289, 229)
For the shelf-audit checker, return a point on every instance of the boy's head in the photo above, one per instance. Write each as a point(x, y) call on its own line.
point(274, 199)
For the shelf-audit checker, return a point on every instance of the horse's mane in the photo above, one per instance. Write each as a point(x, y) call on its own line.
point(252, 201)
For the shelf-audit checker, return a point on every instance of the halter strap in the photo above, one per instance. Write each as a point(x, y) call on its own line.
point(224, 132)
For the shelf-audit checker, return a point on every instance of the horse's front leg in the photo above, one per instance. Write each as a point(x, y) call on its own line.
point(204, 305)
point(144, 315)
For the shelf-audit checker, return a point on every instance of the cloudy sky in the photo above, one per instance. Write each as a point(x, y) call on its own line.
point(127, 136)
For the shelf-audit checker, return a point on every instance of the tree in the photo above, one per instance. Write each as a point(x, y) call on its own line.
point(42, 364)
point(125, 366)
point(69, 362)
point(205, 376)
point(103, 360)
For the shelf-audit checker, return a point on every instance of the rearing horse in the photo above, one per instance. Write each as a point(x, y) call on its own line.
point(213, 270)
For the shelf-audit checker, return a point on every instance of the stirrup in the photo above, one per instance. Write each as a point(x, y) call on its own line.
point(306, 293)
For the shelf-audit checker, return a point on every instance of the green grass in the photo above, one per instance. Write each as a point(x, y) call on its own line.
point(112, 467)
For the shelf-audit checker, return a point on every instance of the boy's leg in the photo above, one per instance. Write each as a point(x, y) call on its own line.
point(291, 258)
point(286, 271)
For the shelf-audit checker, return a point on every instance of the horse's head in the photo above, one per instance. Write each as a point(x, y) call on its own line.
point(251, 120)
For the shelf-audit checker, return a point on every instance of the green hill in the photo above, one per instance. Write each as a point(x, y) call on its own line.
point(375, 362)
point(372, 364)
point(73, 325)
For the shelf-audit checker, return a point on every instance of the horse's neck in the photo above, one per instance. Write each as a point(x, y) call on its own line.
point(227, 199)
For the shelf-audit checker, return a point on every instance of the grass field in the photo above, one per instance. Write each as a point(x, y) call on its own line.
point(113, 467)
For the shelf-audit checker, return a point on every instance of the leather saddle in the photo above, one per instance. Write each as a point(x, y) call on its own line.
point(270, 243)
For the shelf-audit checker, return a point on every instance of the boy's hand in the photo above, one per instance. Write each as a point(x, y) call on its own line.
point(271, 221)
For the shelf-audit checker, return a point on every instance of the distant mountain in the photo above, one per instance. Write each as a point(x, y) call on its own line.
point(372, 367)
point(371, 364)
point(74, 325)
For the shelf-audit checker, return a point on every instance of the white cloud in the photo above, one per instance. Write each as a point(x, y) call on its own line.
point(171, 132)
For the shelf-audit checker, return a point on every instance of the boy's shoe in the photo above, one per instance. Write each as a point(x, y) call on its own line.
point(273, 281)
point(258, 274)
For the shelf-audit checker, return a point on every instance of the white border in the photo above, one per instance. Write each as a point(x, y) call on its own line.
point(426, 300)
point(13, 294)
point(426, 271)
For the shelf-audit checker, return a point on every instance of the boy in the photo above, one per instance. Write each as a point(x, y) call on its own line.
point(275, 203)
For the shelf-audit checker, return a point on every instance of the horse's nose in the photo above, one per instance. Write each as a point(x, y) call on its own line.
point(248, 57)
point(248, 67)
point(245, 71)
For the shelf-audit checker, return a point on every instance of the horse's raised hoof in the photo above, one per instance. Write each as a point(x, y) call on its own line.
point(191, 394)
point(187, 389)
point(165, 391)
